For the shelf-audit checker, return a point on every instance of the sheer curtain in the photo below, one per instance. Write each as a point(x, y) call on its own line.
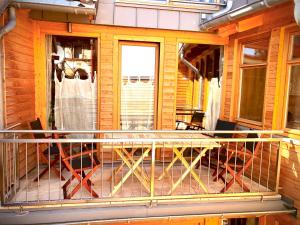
point(213, 104)
point(75, 105)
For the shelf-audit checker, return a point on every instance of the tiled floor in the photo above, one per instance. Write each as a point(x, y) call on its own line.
point(49, 188)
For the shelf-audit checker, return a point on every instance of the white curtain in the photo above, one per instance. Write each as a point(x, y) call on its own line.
point(75, 105)
point(213, 104)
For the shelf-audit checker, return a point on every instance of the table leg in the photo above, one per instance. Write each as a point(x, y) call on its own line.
point(189, 169)
point(171, 164)
point(132, 169)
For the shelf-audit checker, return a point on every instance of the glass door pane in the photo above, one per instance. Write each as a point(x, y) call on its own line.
point(138, 79)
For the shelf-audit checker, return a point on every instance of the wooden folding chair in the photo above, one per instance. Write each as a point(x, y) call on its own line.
point(195, 124)
point(45, 150)
point(238, 161)
point(213, 157)
point(77, 164)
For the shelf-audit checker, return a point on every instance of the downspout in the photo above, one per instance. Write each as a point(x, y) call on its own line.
point(11, 22)
point(238, 13)
point(297, 11)
point(194, 69)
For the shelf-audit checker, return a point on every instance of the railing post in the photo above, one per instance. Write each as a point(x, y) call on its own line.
point(152, 170)
point(278, 166)
point(1, 173)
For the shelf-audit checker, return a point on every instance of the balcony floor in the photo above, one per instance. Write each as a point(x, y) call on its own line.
point(50, 189)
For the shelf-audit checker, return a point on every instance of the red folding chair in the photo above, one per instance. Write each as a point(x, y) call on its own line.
point(77, 164)
point(45, 150)
point(237, 161)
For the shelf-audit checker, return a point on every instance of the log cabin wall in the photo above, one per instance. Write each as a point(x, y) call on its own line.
point(275, 22)
point(19, 72)
point(19, 82)
point(109, 37)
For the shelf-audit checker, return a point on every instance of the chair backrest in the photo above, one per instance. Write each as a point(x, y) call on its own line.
point(197, 117)
point(36, 125)
point(250, 145)
point(224, 125)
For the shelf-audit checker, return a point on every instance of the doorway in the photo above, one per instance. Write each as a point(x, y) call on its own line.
point(138, 85)
point(72, 83)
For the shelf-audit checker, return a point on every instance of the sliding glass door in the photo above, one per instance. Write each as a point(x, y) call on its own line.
point(138, 89)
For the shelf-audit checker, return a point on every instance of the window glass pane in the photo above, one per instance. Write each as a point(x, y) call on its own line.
point(293, 112)
point(252, 93)
point(137, 87)
point(256, 52)
point(296, 47)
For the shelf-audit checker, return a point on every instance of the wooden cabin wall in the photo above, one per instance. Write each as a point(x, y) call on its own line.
point(19, 82)
point(184, 91)
point(273, 21)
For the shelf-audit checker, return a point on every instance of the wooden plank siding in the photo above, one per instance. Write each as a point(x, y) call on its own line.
point(274, 22)
point(19, 83)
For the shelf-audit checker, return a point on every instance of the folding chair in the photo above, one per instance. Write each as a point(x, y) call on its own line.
point(213, 157)
point(45, 150)
point(237, 162)
point(77, 164)
point(195, 124)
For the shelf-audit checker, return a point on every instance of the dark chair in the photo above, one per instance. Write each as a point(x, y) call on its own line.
point(195, 124)
point(77, 164)
point(238, 160)
point(214, 157)
point(45, 150)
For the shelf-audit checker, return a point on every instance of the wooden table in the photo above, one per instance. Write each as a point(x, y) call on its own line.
point(200, 146)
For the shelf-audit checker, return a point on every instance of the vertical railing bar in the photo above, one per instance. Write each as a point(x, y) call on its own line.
point(49, 161)
point(260, 166)
point(209, 164)
point(172, 169)
point(26, 169)
point(181, 168)
point(10, 167)
point(191, 160)
point(226, 170)
point(5, 189)
point(252, 166)
point(235, 160)
point(141, 188)
point(200, 166)
point(102, 165)
point(152, 170)
point(14, 165)
point(38, 180)
point(81, 171)
point(218, 162)
point(269, 163)
point(278, 165)
point(122, 152)
point(112, 165)
point(244, 159)
point(132, 155)
point(60, 169)
point(163, 165)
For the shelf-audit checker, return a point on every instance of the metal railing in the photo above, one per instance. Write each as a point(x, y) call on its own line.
point(138, 166)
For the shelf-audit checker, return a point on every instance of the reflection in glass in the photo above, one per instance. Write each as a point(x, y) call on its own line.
point(293, 110)
point(252, 93)
point(255, 53)
point(296, 47)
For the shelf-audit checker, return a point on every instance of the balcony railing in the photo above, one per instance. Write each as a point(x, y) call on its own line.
point(139, 166)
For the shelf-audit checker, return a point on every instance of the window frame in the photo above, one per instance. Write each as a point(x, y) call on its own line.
point(241, 67)
point(288, 62)
point(156, 45)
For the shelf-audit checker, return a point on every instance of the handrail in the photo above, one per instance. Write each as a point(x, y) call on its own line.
point(147, 131)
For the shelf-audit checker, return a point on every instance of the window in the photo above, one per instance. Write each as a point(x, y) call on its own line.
point(252, 81)
point(293, 101)
point(138, 85)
